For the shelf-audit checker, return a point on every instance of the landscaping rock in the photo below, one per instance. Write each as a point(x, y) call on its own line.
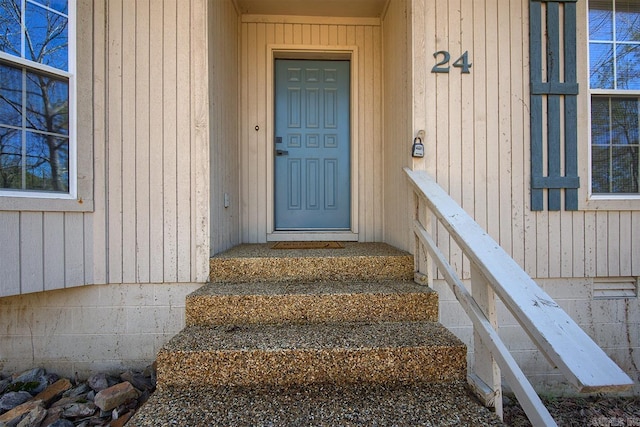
point(12, 399)
point(115, 396)
point(58, 403)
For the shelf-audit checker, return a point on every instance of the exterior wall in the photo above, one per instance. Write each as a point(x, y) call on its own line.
point(89, 329)
point(144, 86)
point(398, 126)
point(257, 34)
point(46, 244)
point(477, 147)
point(224, 118)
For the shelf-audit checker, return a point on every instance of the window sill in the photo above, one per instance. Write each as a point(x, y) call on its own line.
point(611, 203)
point(45, 205)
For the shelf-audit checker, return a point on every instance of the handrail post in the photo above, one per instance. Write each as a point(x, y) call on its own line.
point(485, 378)
point(422, 262)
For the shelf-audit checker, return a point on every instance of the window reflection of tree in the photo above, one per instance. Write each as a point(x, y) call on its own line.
point(40, 104)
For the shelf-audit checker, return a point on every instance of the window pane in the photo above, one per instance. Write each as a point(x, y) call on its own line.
point(48, 39)
point(624, 118)
point(10, 27)
point(601, 20)
point(628, 67)
point(624, 170)
point(10, 96)
point(59, 5)
point(47, 104)
point(600, 126)
point(628, 20)
point(10, 158)
point(601, 65)
point(47, 163)
point(600, 170)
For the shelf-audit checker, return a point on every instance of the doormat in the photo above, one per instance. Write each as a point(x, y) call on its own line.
point(308, 245)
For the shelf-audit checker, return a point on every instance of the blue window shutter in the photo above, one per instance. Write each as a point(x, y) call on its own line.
point(556, 91)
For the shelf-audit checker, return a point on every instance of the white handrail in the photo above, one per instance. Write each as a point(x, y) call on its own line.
point(559, 338)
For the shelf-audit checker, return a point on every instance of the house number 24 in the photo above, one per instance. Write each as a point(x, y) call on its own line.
point(443, 67)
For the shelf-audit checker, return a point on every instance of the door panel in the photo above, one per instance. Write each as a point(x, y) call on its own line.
point(312, 145)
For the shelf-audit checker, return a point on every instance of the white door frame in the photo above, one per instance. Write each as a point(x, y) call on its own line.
point(312, 52)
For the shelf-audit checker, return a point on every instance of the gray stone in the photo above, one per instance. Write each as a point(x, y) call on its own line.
point(60, 423)
point(4, 384)
point(98, 382)
point(13, 399)
point(31, 375)
point(78, 410)
point(80, 390)
point(138, 380)
point(34, 417)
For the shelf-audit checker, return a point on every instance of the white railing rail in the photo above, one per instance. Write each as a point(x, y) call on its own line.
point(494, 273)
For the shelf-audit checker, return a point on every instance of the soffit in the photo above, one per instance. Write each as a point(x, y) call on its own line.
point(345, 8)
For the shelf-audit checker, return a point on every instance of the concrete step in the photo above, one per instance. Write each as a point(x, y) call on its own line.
point(295, 354)
point(296, 302)
point(438, 404)
point(354, 262)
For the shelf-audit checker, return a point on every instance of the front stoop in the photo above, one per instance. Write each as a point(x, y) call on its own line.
point(312, 337)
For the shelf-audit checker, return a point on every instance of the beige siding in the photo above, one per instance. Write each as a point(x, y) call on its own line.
point(157, 142)
point(257, 34)
point(224, 110)
point(143, 110)
point(398, 132)
point(478, 143)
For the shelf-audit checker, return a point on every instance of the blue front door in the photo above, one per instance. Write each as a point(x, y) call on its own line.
point(312, 146)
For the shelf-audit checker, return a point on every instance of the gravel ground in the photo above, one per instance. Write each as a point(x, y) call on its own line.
point(581, 411)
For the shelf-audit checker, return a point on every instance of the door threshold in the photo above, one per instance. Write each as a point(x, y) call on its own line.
point(310, 236)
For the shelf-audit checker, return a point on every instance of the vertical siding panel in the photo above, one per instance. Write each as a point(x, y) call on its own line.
point(554, 234)
point(602, 240)
point(503, 62)
point(184, 142)
point(626, 245)
point(481, 114)
point(200, 141)
point(541, 244)
point(31, 252)
point(578, 247)
point(169, 184)
point(324, 34)
point(142, 151)
point(377, 178)
point(245, 169)
point(253, 155)
point(364, 156)
point(156, 145)
point(73, 249)
point(467, 155)
point(442, 120)
point(613, 243)
point(566, 244)
point(590, 244)
point(128, 171)
point(518, 180)
point(455, 120)
point(10, 253)
point(635, 243)
point(261, 136)
point(114, 138)
point(54, 243)
point(96, 223)
point(493, 132)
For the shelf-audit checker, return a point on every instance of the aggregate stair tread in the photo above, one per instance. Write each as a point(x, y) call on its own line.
point(289, 354)
point(304, 302)
point(448, 404)
point(356, 261)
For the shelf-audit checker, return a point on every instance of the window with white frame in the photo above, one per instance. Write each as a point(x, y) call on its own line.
point(614, 80)
point(37, 147)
